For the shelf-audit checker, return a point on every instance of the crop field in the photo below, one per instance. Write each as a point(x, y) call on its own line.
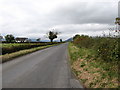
point(13, 47)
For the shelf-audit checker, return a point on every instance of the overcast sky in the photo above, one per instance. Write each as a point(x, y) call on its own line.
point(34, 18)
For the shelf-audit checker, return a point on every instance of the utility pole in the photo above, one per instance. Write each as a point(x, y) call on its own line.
point(119, 15)
point(118, 20)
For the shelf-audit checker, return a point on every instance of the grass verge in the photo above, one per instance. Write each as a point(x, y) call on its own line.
point(93, 72)
point(7, 57)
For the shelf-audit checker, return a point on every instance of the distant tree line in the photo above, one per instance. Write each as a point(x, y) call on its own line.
point(11, 39)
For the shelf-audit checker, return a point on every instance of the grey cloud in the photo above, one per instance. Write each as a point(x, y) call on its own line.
point(81, 13)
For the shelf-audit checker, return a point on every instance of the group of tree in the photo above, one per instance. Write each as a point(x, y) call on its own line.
point(9, 38)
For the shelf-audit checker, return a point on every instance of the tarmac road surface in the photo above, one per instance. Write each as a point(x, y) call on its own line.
point(47, 68)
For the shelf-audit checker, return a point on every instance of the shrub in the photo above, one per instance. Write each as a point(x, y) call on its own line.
point(105, 47)
point(83, 41)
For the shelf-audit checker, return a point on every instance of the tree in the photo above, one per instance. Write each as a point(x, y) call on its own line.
point(52, 35)
point(60, 40)
point(9, 38)
point(76, 36)
point(1, 37)
point(38, 39)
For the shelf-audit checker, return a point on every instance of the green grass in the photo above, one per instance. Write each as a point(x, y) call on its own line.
point(91, 70)
point(7, 57)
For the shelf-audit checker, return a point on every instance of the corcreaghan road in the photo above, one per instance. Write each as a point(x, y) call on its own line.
point(47, 68)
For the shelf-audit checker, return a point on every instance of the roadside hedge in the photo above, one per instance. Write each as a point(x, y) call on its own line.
point(107, 48)
point(13, 47)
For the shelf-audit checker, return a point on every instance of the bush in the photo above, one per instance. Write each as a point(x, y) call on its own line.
point(105, 47)
point(83, 41)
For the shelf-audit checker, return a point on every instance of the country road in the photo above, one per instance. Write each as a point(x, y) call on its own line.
point(47, 68)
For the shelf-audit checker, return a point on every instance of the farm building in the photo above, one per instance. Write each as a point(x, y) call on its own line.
point(21, 39)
